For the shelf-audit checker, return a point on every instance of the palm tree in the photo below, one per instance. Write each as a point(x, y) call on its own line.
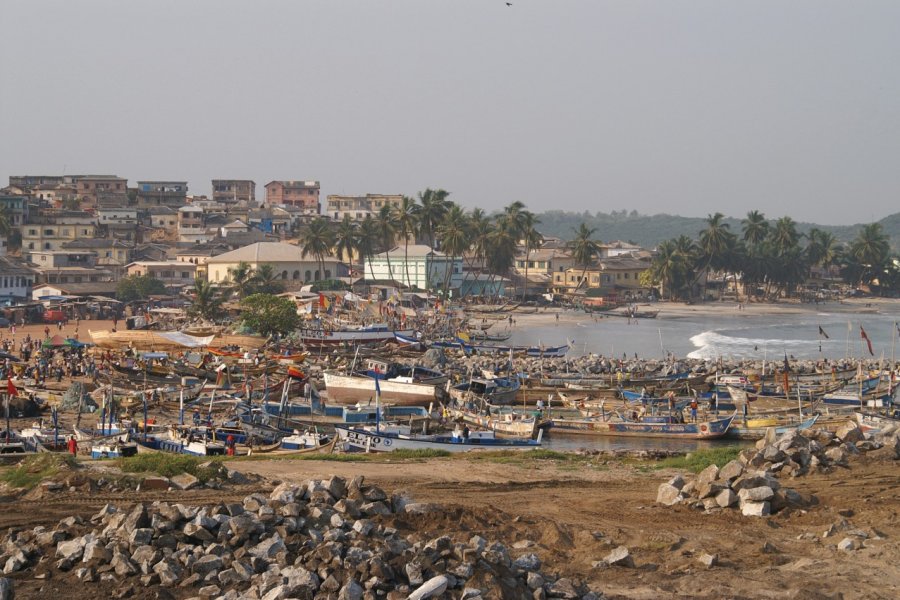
point(433, 205)
point(455, 238)
point(669, 268)
point(784, 236)
point(387, 231)
point(532, 240)
point(367, 239)
point(346, 239)
point(871, 250)
point(821, 248)
point(584, 249)
point(266, 280)
point(716, 245)
point(480, 231)
point(241, 279)
point(406, 217)
point(500, 250)
point(207, 302)
point(317, 240)
point(755, 227)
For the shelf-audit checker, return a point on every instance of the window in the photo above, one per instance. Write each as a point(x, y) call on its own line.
point(327, 273)
point(296, 274)
point(48, 232)
point(43, 258)
point(284, 274)
point(32, 232)
point(308, 275)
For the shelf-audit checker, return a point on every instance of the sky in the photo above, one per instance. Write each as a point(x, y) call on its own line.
point(659, 106)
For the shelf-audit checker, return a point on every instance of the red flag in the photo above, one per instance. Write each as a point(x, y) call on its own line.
point(862, 334)
point(11, 388)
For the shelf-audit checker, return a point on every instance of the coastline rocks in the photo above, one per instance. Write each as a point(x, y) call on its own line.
point(330, 538)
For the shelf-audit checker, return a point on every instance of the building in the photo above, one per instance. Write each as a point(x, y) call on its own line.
point(16, 208)
point(27, 182)
point(51, 231)
point(16, 279)
point(199, 254)
point(615, 276)
point(292, 267)
point(234, 191)
point(161, 193)
point(191, 225)
point(90, 189)
point(274, 220)
point(97, 288)
point(415, 266)
point(110, 251)
point(302, 194)
point(358, 207)
point(170, 272)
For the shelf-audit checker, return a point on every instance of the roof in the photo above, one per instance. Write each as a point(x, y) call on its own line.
point(291, 183)
point(545, 254)
point(624, 263)
point(236, 223)
point(96, 243)
point(161, 210)
point(412, 251)
point(11, 266)
point(101, 287)
point(162, 263)
point(266, 252)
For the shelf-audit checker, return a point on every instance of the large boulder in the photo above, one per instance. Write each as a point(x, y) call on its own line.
point(849, 432)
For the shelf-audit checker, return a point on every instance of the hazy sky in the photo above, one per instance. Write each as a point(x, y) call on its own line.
point(685, 107)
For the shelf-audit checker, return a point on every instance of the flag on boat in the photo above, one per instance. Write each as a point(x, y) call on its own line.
point(323, 301)
point(377, 386)
point(822, 333)
point(11, 387)
point(862, 334)
point(463, 337)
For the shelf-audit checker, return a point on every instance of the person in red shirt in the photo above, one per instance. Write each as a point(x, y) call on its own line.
point(72, 446)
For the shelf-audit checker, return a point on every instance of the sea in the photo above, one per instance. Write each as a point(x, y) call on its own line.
point(739, 336)
point(742, 335)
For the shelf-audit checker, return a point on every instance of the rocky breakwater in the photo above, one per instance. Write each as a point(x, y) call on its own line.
point(753, 482)
point(328, 539)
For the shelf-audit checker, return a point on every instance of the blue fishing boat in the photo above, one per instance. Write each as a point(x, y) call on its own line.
point(659, 426)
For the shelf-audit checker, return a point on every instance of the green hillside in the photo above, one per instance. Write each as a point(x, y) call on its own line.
point(649, 230)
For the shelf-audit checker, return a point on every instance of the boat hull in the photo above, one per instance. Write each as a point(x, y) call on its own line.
point(374, 441)
point(348, 389)
point(708, 430)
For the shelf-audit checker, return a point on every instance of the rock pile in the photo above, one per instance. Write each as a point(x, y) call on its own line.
point(320, 539)
point(751, 482)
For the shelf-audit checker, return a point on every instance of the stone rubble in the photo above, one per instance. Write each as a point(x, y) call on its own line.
point(751, 482)
point(323, 539)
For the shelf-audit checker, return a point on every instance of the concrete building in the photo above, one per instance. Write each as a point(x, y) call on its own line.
point(293, 268)
point(161, 193)
point(234, 191)
point(16, 279)
point(302, 194)
point(416, 266)
point(16, 208)
point(191, 225)
point(358, 207)
point(51, 231)
point(170, 272)
point(112, 189)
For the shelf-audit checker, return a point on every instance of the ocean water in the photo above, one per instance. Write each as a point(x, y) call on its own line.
point(737, 336)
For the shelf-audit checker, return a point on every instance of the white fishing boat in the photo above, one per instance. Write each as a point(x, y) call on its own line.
point(302, 441)
point(374, 439)
point(400, 384)
point(368, 334)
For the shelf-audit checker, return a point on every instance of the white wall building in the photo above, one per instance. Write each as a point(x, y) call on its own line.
point(427, 268)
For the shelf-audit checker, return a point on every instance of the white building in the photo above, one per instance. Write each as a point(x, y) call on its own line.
point(426, 268)
point(15, 279)
point(288, 261)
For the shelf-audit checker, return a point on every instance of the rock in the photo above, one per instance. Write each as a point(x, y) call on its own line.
point(563, 588)
point(757, 494)
point(431, 588)
point(528, 562)
point(676, 482)
point(708, 475)
point(731, 471)
point(206, 564)
point(7, 590)
point(351, 591)
point(668, 494)
point(619, 557)
point(418, 508)
point(534, 581)
point(755, 509)
point(769, 548)
point(185, 481)
point(269, 547)
point(837, 455)
point(155, 484)
point(71, 550)
point(136, 519)
point(848, 544)
point(849, 432)
point(413, 572)
point(708, 560)
point(726, 498)
point(169, 572)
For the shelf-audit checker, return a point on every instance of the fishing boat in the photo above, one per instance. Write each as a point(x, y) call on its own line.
point(505, 423)
point(302, 441)
point(376, 440)
point(368, 334)
point(869, 421)
point(496, 391)
point(183, 441)
point(10, 443)
point(113, 448)
point(664, 426)
point(755, 429)
point(400, 384)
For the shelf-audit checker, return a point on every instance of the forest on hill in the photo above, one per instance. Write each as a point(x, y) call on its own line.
point(650, 230)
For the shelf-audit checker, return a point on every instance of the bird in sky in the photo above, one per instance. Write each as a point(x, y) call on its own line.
point(509, 3)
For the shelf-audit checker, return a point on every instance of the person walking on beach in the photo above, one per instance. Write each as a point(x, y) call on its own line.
point(72, 445)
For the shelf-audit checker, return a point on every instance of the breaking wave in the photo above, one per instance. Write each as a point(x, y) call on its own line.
point(714, 344)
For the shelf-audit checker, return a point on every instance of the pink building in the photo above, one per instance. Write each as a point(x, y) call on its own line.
point(301, 194)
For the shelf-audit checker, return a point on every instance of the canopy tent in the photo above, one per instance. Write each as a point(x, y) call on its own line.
point(58, 341)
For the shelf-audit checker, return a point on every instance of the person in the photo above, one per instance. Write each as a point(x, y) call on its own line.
point(694, 410)
point(671, 396)
point(465, 433)
point(72, 446)
point(229, 445)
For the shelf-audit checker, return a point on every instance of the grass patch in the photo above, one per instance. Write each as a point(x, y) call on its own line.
point(33, 469)
point(699, 460)
point(526, 456)
point(169, 465)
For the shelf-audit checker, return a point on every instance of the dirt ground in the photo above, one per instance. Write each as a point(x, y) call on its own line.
point(574, 514)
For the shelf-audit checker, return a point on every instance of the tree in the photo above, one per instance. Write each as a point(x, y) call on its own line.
point(871, 250)
point(821, 249)
point(532, 239)
point(317, 240)
point(387, 231)
point(207, 302)
point(584, 249)
point(755, 227)
point(670, 267)
point(241, 278)
point(406, 217)
point(480, 230)
point(455, 239)
point(267, 314)
point(367, 240)
point(346, 239)
point(139, 287)
point(433, 206)
point(500, 251)
point(265, 280)
point(6, 227)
